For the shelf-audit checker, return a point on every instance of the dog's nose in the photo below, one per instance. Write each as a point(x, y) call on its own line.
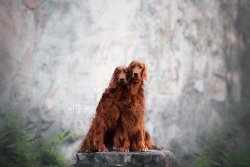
point(135, 74)
point(121, 79)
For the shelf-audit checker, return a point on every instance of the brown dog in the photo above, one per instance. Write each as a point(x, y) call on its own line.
point(107, 114)
point(131, 134)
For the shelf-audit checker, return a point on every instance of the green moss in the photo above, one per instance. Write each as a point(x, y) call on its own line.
point(169, 149)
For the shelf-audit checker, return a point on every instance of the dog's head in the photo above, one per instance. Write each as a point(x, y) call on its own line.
point(119, 77)
point(138, 71)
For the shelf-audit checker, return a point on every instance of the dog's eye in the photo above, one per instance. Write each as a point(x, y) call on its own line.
point(118, 72)
point(133, 66)
point(125, 72)
point(140, 66)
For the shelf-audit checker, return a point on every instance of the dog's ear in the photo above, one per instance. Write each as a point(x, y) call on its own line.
point(128, 76)
point(129, 68)
point(113, 81)
point(145, 73)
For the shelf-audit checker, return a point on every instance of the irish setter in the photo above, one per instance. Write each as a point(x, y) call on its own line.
point(107, 114)
point(131, 133)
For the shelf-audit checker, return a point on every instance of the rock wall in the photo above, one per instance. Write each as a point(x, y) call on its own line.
point(57, 57)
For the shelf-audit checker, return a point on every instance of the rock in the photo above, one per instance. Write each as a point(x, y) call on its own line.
point(219, 66)
point(31, 4)
point(159, 158)
point(199, 86)
point(218, 89)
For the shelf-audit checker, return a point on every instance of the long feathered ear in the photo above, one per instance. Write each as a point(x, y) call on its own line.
point(145, 73)
point(128, 76)
point(113, 81)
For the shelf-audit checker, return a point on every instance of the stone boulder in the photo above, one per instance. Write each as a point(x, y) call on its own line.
point(150, 158)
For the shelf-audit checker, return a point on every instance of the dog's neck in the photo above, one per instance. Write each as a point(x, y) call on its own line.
point(134, 87)
point(115, 92)
point(119, 90)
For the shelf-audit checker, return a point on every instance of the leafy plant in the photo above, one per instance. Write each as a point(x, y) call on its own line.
point(17, 148)
point(242, 158)
point(220, 152)
point(215, 153)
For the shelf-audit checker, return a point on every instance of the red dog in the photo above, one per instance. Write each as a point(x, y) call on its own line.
point(132, 133)
point(107, 114)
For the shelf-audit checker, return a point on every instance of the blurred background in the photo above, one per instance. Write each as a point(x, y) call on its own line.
point(57, 57)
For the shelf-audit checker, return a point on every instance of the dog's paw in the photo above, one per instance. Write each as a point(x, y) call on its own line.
point(87, 150)
point(143, 149)
point(117, 148)
point(124, 149)
point(103, 149)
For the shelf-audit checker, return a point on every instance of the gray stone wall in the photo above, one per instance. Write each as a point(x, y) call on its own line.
point(57, 54)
